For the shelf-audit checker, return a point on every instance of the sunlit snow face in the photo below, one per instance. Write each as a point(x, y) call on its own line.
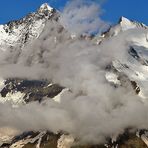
point(140, 39)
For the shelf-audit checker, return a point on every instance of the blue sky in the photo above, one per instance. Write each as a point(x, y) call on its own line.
point(113, 9)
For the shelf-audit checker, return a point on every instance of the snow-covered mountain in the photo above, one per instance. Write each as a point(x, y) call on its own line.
point(26, 29)
point(136, 44)
point(15, 37)
point(123, 25)
point(135, 67)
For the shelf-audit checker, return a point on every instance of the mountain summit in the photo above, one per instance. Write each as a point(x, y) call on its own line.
point(127, 24)
point(26, 29)
point(45, 9)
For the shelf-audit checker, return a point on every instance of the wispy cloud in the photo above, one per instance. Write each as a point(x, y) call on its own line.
point(80, 16)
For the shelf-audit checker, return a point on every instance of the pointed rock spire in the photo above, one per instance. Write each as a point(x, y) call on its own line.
point(124, 21)
point(45, 8)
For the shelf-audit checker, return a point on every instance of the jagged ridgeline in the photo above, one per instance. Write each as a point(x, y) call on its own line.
point(119, 73)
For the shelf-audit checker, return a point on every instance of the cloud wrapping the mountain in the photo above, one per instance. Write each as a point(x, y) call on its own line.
point(93, 109)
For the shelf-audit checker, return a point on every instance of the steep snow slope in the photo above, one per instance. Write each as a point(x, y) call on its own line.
point(130, 53)
point(24, 30)
point(123, 25)
point(14, 36)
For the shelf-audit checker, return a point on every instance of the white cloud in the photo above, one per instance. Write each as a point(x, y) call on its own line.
point(80, 16)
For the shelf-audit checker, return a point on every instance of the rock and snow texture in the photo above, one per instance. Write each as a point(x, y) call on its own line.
point(19, 92)
point(65, 141)
point(23, 142)
point(17, 33)
point(136, 45)
point(145, 139)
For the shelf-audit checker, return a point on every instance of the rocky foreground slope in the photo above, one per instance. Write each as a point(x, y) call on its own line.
point(130, 73)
